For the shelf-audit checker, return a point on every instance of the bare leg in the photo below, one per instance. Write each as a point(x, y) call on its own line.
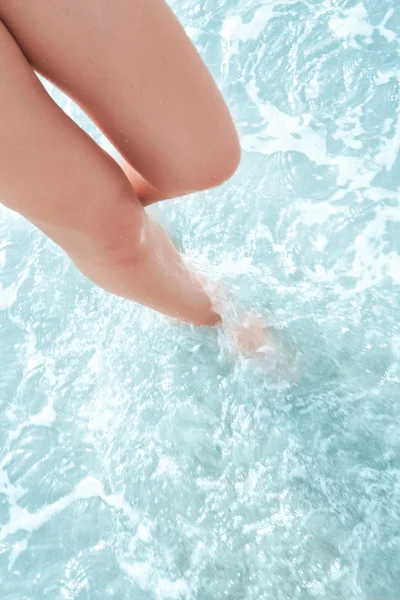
point(56, 176)
point(132, 68)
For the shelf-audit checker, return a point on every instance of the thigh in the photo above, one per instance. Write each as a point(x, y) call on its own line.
point(132, 68)
point(50, 170)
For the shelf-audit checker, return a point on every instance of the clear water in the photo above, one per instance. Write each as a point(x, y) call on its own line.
point(138, 461)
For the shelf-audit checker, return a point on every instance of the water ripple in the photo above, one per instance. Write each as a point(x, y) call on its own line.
point(137, 459)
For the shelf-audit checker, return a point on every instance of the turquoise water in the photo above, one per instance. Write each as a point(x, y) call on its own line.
point(138, 459)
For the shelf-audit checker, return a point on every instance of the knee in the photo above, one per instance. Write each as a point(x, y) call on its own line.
point(201, 167)
point(211, 166)
point(116, 235)
point(216, 165)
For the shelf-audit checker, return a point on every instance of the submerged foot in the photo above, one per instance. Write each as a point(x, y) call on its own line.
point(253, 340)
point(251, 335)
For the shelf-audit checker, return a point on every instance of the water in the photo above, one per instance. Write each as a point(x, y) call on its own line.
point(138, 461)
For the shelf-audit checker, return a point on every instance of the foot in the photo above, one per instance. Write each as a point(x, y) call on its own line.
point(251, 336)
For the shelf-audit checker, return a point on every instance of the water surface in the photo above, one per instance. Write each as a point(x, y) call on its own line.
point(137, 460)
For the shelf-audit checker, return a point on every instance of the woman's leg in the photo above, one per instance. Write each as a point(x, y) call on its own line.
point(58, 178)
point(132, 68)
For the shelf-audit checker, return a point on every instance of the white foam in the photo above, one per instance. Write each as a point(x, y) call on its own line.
point(387, 155)
point(277, 136)
point(352, 22)
point(46, 416)
point(353, 172)
point(8, 295)
point(23, 520)
point(163, 588)
point(316, 214)
point(349, 127)
point(172, 589)
point(96, 362)
point(12, 491)
point(194, 33)
point(371, 263)
point(387, 33)
point(234, 29)
point(167, 466)
point(384, 78)
point(3, 259)
point(17, 549)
